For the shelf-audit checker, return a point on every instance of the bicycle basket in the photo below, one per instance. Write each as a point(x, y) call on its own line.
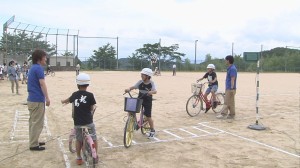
point(196, 88)
point(132, 104)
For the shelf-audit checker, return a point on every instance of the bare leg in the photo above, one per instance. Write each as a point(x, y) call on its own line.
point(78, 148)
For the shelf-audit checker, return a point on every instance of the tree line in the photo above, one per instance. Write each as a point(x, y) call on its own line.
point(280, 59)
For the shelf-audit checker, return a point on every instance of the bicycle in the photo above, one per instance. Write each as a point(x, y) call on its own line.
point(197, 103)
point(133, 106)
point(50, 72)
point(89, 152)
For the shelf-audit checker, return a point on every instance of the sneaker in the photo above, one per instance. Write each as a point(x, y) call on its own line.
point(37, 148)
point(79, 161)
point(221, 116)
point(151, 134)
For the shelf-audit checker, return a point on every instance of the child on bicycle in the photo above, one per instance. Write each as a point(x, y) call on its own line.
point(84, 105)
point(212, 84)
point(146, 89)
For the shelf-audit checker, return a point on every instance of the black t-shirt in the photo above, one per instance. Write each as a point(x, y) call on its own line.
point(211, 76)
point(82, 102)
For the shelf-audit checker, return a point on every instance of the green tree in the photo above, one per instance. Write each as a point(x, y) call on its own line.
point(104, 57)
point(163, 53)
point(21, 43)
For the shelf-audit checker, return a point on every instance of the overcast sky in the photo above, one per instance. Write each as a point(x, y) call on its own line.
point(216, 24)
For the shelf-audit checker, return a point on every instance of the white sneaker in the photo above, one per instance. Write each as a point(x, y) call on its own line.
point(221, 116)
point(151, 134)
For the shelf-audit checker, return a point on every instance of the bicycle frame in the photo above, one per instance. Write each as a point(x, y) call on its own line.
point(90, 141)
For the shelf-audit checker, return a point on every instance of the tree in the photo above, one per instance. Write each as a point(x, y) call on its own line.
point(165, 53)
point(104, 57)
point(21, 43)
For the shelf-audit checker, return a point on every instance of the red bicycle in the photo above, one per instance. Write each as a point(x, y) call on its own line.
point(197, 103)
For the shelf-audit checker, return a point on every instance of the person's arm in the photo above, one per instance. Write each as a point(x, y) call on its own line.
point(129, 89)
point(232, 82)
point(44, 90)
point(66, 101)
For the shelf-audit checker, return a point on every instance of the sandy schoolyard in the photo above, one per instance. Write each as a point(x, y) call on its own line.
point(181, 141)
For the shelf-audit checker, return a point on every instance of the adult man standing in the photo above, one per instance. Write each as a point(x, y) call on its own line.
point(37, 96)
point(230, 91)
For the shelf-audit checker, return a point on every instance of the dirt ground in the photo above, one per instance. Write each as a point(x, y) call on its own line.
point(181, 141)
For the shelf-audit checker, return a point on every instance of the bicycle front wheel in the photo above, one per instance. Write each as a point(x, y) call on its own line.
point(128, 131)
point(220, 99)
point(194, 106)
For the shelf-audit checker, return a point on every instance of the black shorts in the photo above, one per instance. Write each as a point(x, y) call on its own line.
point(147, 104)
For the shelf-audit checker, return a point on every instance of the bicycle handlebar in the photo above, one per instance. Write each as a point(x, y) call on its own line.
point(145, 94)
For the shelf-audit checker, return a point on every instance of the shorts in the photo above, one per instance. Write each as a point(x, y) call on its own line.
point(212, 88)
point(91, 130)
point(147, 105)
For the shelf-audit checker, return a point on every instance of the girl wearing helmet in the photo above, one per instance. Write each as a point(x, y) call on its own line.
point(83, 108)
point(146, 86)
point(212, 83)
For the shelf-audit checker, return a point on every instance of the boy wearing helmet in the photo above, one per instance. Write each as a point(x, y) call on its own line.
point(83, 107)
point(146, 86)
point(212, 83)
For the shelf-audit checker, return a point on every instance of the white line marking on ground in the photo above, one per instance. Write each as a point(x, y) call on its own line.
point(62, 149)
point(201, 130)
point(251, 140)
point(12, 133)
point(157, 139)
point(168, 132)
point(109, 143)
point(194, 135)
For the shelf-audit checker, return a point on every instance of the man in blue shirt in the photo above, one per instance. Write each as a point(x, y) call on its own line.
point(37, 96)
point(230, 91)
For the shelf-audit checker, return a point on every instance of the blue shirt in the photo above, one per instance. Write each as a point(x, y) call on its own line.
point(231, 72)
point(35, 93)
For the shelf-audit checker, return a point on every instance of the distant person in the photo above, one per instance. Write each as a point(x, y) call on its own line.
point(146, 89)
point(174, 69)
point(24, 70)
point(77, 69)
point(157, 71)
point(13, 76)
point(1, 73)
point(211, 76)
point(48, 69)
point(230, 91)
point(5, 70)
point(37, 96)
point(84, 104)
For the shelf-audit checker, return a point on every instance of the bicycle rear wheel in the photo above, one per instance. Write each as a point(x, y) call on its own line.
point(220, 99)
point(194, 106)
point(128, 131)
point(87, 155)
point(145, 127)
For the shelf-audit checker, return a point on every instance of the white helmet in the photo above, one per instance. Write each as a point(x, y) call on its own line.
point(83, 79)
point(147, 71)
point(212, 66)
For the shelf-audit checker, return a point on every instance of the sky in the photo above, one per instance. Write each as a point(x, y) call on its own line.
point(200, 27)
